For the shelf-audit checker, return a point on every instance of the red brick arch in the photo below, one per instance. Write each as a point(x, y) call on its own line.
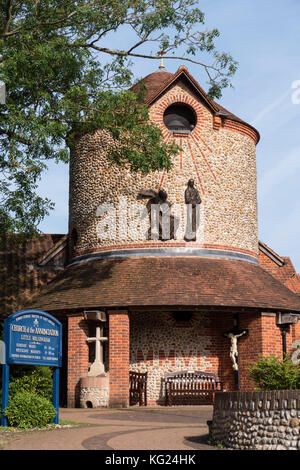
point(179, 98)
point(217, 122)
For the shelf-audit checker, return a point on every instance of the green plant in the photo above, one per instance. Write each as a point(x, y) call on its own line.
point(37, 380)
point(28, 410)
point(272, 373)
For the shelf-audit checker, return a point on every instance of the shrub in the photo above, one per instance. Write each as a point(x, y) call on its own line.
point(37, 380)
point(28, 410)
point(272, 373)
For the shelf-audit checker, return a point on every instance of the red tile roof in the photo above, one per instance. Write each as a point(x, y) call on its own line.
point(153, 82)
point(293, 283)
point(199, 282)
point(281, 267)
point(18, 280)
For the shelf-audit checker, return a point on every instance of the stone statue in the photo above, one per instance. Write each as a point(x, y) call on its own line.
point(233, 348)
point(159, 212)
point(193, 201)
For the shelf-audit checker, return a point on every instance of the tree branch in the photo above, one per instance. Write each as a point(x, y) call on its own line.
point(12, 134)
point(106, 50)
point(9, 7)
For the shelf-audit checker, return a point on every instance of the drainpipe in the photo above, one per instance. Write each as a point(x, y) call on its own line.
point(283, 321)
point(284, 330)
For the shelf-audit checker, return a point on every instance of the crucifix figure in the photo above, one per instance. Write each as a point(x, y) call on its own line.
point(234, 335)
point(97, 367)
point(234, 348)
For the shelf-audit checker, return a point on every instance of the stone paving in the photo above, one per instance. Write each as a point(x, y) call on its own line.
point(178, 428)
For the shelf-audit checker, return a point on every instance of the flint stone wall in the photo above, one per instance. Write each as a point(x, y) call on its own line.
point(159, 345)
point(257, 420)
point(94, 392)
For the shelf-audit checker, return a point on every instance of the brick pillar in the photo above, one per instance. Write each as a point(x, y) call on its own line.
point(118, 358)
point(250, 347)
point(220, 324)
point(78, 357)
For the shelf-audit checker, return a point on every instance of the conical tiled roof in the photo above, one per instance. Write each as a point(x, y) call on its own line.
point(153, 82)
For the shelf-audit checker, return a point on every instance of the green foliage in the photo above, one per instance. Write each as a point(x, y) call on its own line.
point(27, 410)
point(64, 79)
point(37, 380)
point(272, 373)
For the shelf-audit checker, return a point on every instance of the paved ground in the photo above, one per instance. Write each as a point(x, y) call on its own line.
point(179, 428)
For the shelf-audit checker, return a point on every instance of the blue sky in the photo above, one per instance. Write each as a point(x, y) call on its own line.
point(264, 37)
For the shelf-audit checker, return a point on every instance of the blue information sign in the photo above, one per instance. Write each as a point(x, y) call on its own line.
point(33, 337)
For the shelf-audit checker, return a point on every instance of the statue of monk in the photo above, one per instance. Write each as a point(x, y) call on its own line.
point(193, 200)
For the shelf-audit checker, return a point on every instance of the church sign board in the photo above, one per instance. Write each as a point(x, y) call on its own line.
point(34, 338)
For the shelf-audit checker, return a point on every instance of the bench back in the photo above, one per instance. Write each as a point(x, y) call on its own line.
point(186, 377)
point(137, 379)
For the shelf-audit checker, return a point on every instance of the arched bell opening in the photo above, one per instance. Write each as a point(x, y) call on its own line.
point(180, 118)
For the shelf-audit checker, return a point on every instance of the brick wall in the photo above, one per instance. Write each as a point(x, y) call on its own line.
point(265, 339)
point(78, 357)
point(118, 359)
point(250, 347)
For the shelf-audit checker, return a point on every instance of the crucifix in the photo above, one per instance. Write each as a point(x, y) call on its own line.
point(233, 335)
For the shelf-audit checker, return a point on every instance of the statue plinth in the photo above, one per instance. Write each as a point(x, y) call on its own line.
point(94, 391)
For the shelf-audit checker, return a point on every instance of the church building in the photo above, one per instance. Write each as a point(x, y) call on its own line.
point(158, 269)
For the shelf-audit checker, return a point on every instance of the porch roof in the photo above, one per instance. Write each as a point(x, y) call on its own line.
point(173, 281)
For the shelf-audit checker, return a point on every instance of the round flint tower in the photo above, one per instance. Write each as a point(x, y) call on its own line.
point(106, 216)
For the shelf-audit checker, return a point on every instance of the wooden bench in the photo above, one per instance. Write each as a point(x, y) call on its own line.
point(191, 388)
point(138, 388)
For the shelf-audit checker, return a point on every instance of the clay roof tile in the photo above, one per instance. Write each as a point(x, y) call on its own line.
point(137, 281)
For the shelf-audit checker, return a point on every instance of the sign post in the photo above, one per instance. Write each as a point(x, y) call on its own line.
point(33, 338)
point(5, 385)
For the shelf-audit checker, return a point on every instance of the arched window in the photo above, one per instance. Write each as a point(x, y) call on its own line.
point(180, 118)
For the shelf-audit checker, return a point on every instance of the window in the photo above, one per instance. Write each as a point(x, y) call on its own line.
point(180, 118)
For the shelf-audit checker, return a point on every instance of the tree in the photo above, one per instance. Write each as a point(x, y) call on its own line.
point(65, 79)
